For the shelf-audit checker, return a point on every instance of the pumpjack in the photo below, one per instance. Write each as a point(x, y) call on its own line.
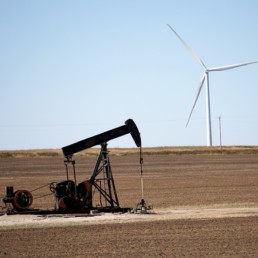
point(73, 197)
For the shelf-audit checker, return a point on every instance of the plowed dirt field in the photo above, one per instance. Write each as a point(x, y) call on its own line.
point(203, 206)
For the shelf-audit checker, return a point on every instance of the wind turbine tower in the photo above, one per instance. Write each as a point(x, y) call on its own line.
point(205, 78)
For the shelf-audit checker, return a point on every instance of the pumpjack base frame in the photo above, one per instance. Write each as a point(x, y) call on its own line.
point(85, 212)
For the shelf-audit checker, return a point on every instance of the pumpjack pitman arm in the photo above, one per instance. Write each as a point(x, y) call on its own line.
point(129, 127)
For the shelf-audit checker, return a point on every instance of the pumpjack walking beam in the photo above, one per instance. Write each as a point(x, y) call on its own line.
point(129, 127)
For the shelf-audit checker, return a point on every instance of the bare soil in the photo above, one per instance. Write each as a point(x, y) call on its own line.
point(203, 206)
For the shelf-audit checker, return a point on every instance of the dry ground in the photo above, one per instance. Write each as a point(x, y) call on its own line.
point(206, 186)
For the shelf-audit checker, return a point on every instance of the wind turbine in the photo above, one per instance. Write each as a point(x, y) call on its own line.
point(205, 78)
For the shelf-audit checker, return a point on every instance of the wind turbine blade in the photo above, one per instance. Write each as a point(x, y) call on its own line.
point(228, 67)
point(195, 56)
point(197, 96)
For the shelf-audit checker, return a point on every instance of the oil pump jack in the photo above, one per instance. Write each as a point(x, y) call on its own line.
point(73, 197)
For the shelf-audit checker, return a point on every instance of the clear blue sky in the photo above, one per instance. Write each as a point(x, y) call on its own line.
point(73, 69)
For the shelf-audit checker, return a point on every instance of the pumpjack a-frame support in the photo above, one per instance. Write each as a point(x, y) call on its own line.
point(105, 185)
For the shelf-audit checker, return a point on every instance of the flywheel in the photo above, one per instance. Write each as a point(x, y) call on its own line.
point(22, 199)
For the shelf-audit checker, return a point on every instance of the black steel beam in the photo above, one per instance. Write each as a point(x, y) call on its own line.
point(129, 127)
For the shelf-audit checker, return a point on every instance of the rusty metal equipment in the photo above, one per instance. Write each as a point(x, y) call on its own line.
point(71, 196)
point(20, 199)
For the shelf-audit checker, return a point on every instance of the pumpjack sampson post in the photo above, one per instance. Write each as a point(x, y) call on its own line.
point(73, 197)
